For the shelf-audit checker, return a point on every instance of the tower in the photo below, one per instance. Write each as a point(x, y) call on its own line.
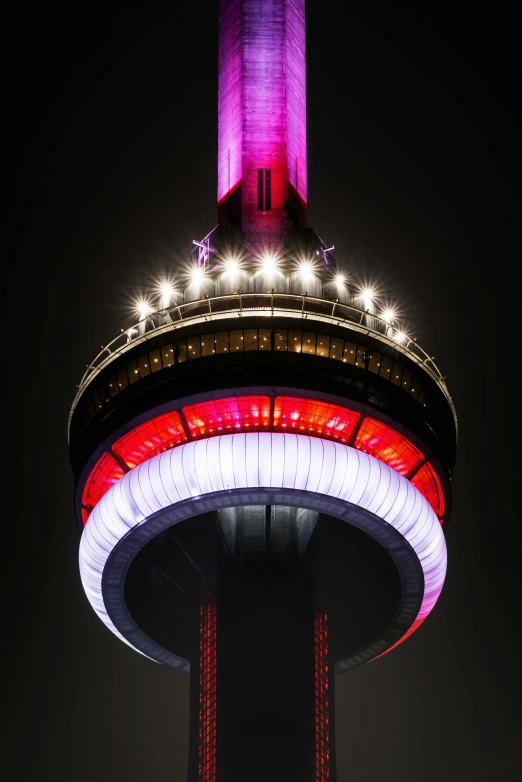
point(262, 460)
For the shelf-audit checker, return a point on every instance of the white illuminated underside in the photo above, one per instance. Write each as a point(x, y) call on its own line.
point(261, 460)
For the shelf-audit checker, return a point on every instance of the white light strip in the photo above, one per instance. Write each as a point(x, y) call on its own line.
point(261, 460)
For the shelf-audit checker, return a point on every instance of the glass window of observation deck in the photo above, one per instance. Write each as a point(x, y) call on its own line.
point(265, 339)
point(143, 365)
point(167, 356)
point(251, 339)
point(309, 339)
point(349, 352)
point(323, 346)
point(294, 341)
point(336, 348)
point(132, 371)
point(236, 341)
point(281, 339)
point(374, 363)
point(360, 357)
point(155, 360)
point(113, 385)
point(396, 374)
point(386, 367)
point(194, 347)
point(180, 351)
point(123, 380)
point(222, 342)
point(207, 344)
point(406, 380)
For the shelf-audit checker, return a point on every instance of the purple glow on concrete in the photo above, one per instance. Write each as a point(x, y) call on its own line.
point(229, 98)
point(262, 109)
point(296, 97)
point(253, 460)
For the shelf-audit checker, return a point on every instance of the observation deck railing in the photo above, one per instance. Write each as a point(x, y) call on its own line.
point(268, 304)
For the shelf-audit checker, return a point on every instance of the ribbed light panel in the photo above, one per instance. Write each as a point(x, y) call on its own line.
point(262, 460)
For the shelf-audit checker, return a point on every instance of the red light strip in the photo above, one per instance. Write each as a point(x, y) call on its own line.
point(322, 698)
point(207, 743)
point(427, 482)
point(104, 474)
point(245, 413)
point(231, 414)
point(388, 446)
point(309, 415)
point(416, 624)
point(150, 438)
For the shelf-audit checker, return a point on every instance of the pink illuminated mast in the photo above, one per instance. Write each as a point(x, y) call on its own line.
point(262, 117)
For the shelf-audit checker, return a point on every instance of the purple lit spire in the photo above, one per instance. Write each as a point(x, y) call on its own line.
point(262, 115)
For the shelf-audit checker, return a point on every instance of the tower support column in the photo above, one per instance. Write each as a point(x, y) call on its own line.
point(266, 707)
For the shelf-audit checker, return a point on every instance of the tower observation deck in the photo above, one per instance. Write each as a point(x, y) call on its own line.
point(263, 459)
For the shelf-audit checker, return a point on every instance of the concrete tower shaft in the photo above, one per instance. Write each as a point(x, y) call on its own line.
point(262, 117)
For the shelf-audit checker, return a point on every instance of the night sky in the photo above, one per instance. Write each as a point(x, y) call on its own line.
point(414, 174)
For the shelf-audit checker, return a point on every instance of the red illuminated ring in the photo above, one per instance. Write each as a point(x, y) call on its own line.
point(261, 468)
point(245, 413)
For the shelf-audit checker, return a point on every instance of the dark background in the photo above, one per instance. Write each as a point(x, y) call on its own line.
point(414, 174)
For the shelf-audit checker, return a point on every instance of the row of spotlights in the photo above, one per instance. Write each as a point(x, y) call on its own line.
point(269, 266)
point(232, 268)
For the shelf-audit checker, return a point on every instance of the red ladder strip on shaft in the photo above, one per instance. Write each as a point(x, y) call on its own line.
point(207, 692)
point(322, 697)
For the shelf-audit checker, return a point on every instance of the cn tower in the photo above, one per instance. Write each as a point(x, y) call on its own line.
point(263, 459)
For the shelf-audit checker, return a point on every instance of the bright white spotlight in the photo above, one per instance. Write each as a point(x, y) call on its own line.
point(388, 316)
point(197, 274)
point(305, 270)
point(231, 267)
point(400, 337)
point(166, 288)
point(340, 279)
point(143, 308)
point(367, 295)
point(269, 263)
point(166, 293)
